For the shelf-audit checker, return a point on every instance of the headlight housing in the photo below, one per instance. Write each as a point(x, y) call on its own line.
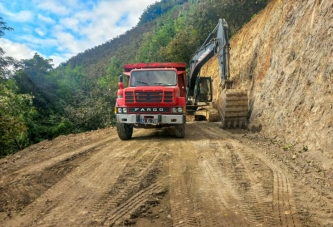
point(177, 109)
point(121, 110)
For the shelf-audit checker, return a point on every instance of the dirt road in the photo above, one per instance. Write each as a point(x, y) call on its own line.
point(212, 177)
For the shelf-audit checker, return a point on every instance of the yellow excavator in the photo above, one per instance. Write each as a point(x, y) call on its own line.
point(231, 105)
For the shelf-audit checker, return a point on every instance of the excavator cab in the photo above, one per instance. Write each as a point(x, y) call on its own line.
point(201, 104)
point(203, 90)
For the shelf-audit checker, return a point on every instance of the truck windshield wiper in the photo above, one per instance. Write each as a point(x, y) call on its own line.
point(142, 82)
point(168, 84)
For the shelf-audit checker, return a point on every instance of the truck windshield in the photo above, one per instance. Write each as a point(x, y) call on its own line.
point(153, 78)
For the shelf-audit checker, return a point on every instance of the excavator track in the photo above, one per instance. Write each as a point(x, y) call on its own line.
point(207, 113)
point(233, 108)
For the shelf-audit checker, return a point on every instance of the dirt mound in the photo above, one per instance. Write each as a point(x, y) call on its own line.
point(284, 58)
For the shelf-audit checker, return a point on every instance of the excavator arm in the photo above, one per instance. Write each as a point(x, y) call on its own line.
point(217, 43)
point(232, 104)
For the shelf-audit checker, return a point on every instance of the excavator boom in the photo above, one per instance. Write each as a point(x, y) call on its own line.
point(217, 43)
point(231, 105)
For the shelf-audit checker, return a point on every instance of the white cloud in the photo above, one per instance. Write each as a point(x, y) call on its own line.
point(21, 16)
point(70, 42)
point(16, 50)
point(102, 23)
point(68, 27)
point(67, 41)
point(54, 7)
point(40, 32)
point(35, 42)
point(22, 51)
point(47, 20)
point(70, 23)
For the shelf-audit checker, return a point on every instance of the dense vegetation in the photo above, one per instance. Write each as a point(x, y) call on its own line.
point(39, 102)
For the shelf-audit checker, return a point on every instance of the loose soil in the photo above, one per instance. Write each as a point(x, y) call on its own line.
point(213, 177)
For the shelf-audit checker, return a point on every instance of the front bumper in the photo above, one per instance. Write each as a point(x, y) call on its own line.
point(151, 118)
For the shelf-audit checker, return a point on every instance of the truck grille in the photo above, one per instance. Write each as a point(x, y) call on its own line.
point(168, 96)
point(148, 96)
point(129, 97)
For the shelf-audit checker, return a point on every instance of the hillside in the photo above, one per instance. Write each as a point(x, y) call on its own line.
point(167, 31)
point(284, 58)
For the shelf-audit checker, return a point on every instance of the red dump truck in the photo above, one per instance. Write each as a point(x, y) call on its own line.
point(154, 98)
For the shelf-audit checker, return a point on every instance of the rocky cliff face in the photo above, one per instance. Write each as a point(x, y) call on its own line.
point(284, 59)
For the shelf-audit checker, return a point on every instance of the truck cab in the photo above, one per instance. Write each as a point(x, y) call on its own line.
point(155, 98)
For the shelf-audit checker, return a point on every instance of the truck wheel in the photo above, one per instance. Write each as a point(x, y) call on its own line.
point(180, 130)
point(125, 131)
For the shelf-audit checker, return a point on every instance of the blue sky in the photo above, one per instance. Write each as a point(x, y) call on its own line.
point(60, 29)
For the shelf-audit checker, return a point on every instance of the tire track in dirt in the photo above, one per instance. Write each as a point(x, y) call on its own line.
point(312, 197)
point(264, 201)
point(88, 176)
point(217, 192)
point(209, 178)
point(256, 203)
point(22, 187)
point(94, 177)
point(137, 204)
point(283, 200)
point(134, 188)
point(40, 166)
point(47, 150)
point(225, 200)
point(182, 208)
point(200, 195)
point(281, 211)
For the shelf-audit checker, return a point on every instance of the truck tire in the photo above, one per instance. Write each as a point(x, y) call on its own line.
point(124, 131)
point(180, 130)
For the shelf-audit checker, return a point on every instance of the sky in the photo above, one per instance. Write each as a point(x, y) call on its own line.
point(60, 29)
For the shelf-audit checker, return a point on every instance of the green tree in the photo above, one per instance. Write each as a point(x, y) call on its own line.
point(14, 109)
point(34, 78)
point(95, 110)
point(154, 46)
point(109, 81)
point(159, 8)
point(37, 66)
point(5, 62)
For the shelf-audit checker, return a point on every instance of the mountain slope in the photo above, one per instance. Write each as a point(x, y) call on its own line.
point(167, 31)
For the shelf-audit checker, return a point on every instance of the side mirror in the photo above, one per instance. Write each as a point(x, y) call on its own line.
point(121, 82)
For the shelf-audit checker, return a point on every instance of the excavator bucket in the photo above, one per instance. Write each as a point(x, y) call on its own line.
point(233, 108)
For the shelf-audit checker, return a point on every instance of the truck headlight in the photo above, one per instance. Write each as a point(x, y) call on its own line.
point(125, 110)
point(119, 110)
point(180, 109)
point(174, 110)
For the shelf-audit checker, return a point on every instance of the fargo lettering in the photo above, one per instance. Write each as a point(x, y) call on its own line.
point(149, 109)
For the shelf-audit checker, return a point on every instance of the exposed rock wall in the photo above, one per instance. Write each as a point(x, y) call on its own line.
point(284, 58)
